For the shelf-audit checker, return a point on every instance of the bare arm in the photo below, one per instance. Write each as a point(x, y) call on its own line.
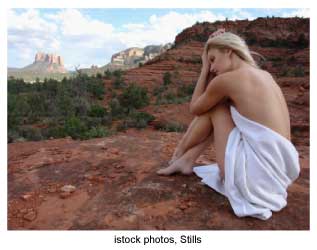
point(215, 92)
point(205, 77)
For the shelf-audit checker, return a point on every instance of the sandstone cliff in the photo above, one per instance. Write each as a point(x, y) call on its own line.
point(45, 63)
point(133, 56)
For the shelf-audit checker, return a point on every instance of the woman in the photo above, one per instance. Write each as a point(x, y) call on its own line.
point(243, 111)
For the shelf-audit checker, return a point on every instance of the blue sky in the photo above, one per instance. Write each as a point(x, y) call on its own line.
point(84, 37)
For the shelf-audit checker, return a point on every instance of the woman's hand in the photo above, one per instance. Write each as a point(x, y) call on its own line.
point(204, 58)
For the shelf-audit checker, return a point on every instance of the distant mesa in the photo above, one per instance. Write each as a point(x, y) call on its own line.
point(134, 56)
point(44, 63)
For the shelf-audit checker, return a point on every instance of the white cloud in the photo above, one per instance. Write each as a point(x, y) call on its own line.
point(74, 23)
point(133, 26)
point(238, 14)
point(163, 29)
point(28, 33)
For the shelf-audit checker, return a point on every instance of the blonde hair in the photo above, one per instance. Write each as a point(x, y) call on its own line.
point(228, 40)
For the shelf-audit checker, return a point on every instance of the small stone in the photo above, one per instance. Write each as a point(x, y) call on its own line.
point(30, 216)
point(65, 195)
point(119, 166)
point(184, 185)
point(115, 151)
point(131, 219)
point(26, 197)
point(68, 188)
point(182, 206)
point(23, 211)
point(52, 189)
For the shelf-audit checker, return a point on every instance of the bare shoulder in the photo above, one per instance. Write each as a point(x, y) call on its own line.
point(245, 75)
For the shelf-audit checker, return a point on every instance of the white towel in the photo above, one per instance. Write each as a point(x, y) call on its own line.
point(259, 166)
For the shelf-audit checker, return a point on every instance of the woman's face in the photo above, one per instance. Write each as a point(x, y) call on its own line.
point(220, 61)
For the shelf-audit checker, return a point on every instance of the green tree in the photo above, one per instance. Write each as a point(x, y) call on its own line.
point(134, 97)
point(167, 78)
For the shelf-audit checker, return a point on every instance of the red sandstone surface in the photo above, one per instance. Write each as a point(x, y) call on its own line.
point(110, 183)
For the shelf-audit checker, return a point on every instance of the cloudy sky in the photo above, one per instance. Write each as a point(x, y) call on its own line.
point(90, 36)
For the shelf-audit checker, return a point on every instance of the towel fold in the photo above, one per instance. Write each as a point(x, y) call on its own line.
point(259, 166)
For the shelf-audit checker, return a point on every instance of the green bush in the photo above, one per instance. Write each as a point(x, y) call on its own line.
point(118, 83)
point(171, 98)
point(134, 97)
point(159, 90)
point(139, 119)
point(13, 135)
point(97, 132)
point(170, 127)
point(74, 127)
point(97, 111)
point(117, 111)
point(55, 131)
point(299, 71)
point(96, 88)
point(185, 90)
point(108, 74)
point(31, 133)
point(167, 78)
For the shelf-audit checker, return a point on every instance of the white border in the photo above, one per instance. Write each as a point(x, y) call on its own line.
point(104, 239)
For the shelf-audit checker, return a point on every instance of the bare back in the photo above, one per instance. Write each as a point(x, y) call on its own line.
point(257, 96)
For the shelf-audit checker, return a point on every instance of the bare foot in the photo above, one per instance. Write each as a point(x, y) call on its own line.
point(178, 166)
point(177, 154)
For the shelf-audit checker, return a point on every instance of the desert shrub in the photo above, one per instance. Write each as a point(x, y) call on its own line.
point(108, 74)
point(97, 132)
point(299, 71)
point(74, 127)
point(55, 131)
point(96, 88)
point(159, 90)
point(167, 78)
point(117, 111)
point(13, 135)
point(185, 90)
point(97, 111)
point(295, 72)
point(31, 133)
point(170, 127)
point(139, 119)
point(134, 97)
point(171, 98)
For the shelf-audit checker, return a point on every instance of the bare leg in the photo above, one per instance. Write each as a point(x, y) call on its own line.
point(185, 163)
point(222, 124)
point(199, 129)
point(179, 148)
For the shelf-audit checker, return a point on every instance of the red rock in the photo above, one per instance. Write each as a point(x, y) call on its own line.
point(68, 188)
point(26, 197)
point(30, 216)
point(65, 195)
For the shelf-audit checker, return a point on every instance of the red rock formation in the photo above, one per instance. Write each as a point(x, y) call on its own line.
point(47, 63)
point(49, 58)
